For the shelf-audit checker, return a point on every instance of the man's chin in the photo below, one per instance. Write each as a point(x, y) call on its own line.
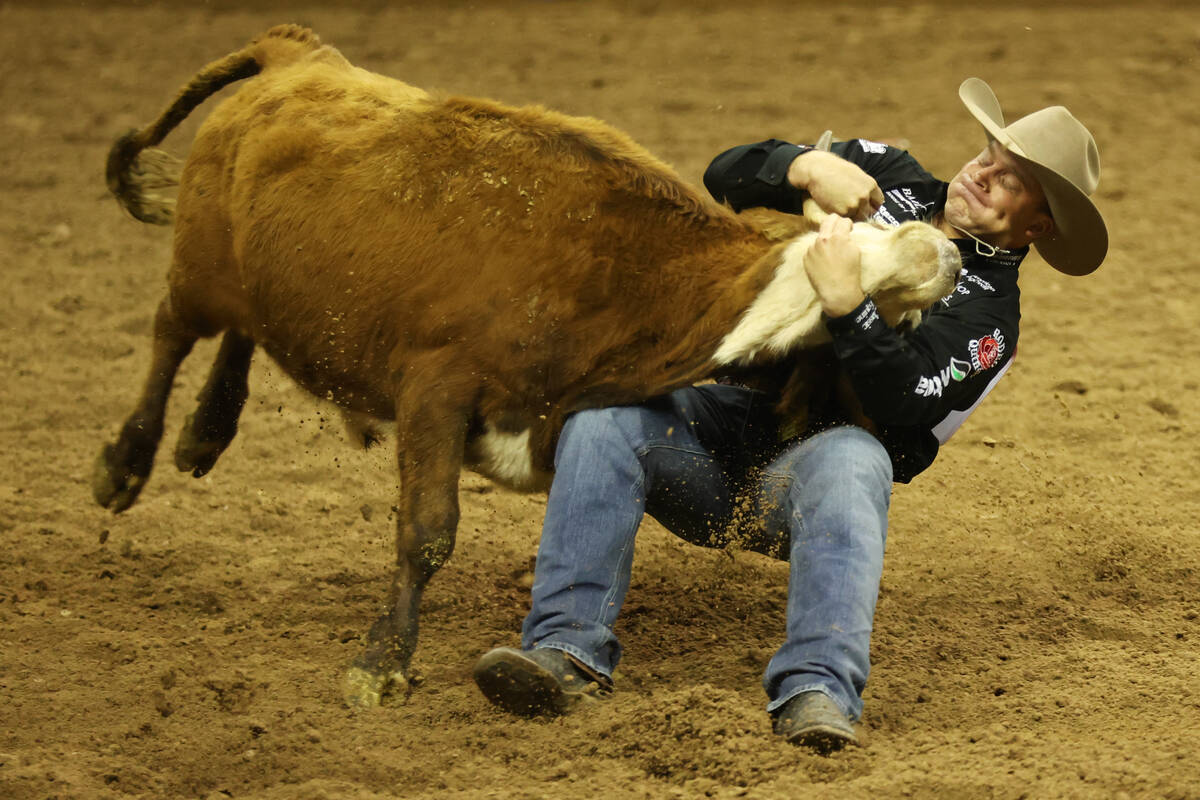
point(957, 214)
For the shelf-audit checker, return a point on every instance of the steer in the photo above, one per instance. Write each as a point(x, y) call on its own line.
point(475, 272)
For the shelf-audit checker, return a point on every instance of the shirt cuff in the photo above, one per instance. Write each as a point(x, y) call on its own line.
point(865, 317)
point(775, 168)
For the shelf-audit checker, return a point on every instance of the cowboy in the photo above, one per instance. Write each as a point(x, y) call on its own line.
point(820, 500)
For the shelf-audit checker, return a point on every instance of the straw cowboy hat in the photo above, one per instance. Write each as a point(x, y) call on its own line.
point(1061, 153)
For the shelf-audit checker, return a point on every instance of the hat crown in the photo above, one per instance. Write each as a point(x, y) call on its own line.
point(1053, 138)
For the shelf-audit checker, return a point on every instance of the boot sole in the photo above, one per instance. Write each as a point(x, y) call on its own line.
point(822, 739)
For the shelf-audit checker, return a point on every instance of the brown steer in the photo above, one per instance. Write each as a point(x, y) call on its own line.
point(474, 271)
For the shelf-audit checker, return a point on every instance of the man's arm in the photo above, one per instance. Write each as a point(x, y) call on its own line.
point(833, 264)
point(779, 175)
point(838, 186)
point(947, 363)
point(755, 176)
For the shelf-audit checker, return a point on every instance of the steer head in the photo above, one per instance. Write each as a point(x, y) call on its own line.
point(907, 268)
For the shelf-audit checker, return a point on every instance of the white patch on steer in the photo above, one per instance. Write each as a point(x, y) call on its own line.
point(897, 272)
point(504, 457)
point(785, 315)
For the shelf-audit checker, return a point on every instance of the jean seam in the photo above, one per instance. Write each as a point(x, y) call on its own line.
point(645, 449)
point(618, 567)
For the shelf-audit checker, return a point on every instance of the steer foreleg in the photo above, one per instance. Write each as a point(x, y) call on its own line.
point(431, 415)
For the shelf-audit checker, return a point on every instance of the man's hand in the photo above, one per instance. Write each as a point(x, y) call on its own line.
point(837, 185)
point(834, 265)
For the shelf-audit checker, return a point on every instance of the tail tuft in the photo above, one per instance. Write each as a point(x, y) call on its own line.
point(135, 170)
point(135, 173)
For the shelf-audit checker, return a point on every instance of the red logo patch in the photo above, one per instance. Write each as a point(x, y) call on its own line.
point(987, 352)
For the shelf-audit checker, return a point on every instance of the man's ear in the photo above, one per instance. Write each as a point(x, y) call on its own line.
point(1041, 227)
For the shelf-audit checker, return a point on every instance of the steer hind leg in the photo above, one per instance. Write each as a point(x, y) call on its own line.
point(210, 429)
point(431, 432)
point(122, 468)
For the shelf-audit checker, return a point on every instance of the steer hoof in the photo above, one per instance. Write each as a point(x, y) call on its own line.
point(363, 689)
point(194, 454)
point(114, 485)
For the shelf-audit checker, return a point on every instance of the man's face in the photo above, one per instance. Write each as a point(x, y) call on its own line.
point(998, 199)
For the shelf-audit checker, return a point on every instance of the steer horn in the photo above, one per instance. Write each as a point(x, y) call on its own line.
point(810, 207)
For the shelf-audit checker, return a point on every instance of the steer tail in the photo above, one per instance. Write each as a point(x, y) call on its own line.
point(135, 169)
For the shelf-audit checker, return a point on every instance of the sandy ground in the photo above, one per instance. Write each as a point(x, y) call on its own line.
point(1038, 630)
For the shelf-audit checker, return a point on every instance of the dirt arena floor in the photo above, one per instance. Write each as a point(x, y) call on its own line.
point(1038, 632)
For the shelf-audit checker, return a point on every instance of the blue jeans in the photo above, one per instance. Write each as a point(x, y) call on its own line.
point(687, 459)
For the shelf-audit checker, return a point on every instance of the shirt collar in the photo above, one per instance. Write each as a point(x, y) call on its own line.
point(1010, 259)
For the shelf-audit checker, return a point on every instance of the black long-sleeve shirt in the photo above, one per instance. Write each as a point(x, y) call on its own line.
point(917, 387)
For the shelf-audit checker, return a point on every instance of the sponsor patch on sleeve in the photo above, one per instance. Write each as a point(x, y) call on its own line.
point(934, 385)
point(966, 282)
point(986, 351)
point(872, 147)
point(868, 316)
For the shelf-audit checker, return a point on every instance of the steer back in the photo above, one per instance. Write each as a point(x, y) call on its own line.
point(348, 222)
point(549, 257)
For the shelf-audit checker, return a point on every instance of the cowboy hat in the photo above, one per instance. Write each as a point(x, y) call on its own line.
point(1063, 157)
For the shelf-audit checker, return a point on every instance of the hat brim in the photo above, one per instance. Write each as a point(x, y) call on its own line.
point(1079, 242)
